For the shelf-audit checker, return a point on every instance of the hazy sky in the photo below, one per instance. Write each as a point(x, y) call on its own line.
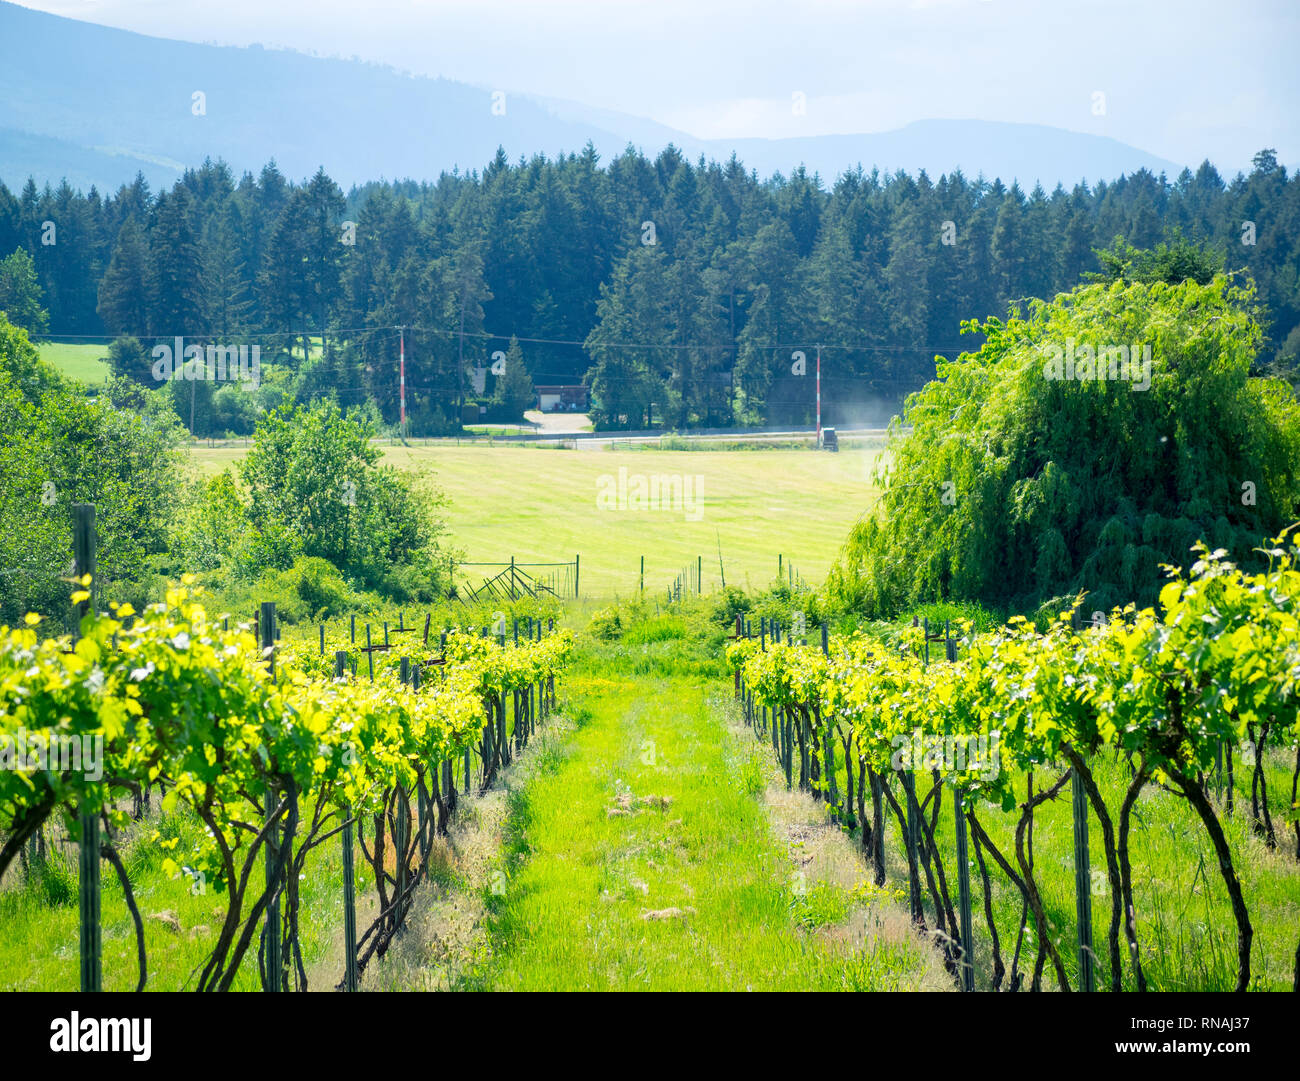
point(1184, 79)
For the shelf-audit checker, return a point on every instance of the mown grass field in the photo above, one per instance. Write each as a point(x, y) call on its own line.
point(540, 505)
point(77, 360)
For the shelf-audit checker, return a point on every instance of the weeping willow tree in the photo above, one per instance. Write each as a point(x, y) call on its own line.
point(1087, 442)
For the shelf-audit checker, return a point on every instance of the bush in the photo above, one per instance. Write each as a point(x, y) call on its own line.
point(607, 624)
point(312, 589)
point(728, 604)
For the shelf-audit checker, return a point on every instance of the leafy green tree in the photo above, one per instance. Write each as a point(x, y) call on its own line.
point(216, 524)
point(20, 293)
point(316, 488)
point(61, 448)
point(1173, 263)
point(1022, 482)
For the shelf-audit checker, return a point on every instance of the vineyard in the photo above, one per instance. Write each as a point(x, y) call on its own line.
point(264, 766)
point(277, 747)
point(1006, 722)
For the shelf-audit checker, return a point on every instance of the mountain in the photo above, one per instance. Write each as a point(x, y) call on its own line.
point(96, 105)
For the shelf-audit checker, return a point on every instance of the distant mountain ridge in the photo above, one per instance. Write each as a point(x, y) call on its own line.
point(96, 104)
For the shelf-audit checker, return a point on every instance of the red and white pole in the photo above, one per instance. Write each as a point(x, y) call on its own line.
point(819, 395)
point(402, 377)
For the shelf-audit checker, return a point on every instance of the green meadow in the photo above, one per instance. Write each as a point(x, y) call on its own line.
point(86, 363)
point(541, 504)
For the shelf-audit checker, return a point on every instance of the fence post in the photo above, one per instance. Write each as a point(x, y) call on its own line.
point(402, 832)
point(349, 876)
point(370, 657)
point(738, 625)
point(833, 781)
point(274, 965)
point(1082, 880)
point(963, 892)
point(577, 566)
point(913, 859)
point(88, 891)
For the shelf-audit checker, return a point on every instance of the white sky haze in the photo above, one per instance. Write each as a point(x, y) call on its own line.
point(1185, 80)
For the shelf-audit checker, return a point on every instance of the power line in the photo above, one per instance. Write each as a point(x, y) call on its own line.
point(573, 342)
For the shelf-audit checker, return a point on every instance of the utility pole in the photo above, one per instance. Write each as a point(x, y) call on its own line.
point(819, 395)
point(402, 378)
point(460, 358)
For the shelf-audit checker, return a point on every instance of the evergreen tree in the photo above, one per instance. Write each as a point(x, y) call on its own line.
point(174, 272)
point(128, 359)
point(224, 282)
point(514, 389)
point(123, 299)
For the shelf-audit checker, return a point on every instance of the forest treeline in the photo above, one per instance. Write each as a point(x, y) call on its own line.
point(681, 292)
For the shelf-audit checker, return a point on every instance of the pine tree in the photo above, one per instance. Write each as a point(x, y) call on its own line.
point(514, 389)
point(123, 299)
point(128, 359)
point(224, 281)
point(173, 273)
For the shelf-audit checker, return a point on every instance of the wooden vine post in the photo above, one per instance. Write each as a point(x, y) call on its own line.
point(88, 890)
point(967, 972)
point(913, 858)
point(274, 965)
point(1082, 881)
point(832, 784)
point(402, 832)
point(1082, 865)
point(349, 877)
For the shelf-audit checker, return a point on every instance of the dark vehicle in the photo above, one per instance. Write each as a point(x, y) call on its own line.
point(829, 440)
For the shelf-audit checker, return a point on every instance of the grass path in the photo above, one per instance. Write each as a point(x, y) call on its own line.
point(641, 856)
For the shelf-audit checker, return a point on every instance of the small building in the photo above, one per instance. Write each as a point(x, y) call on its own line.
point(562, 399)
